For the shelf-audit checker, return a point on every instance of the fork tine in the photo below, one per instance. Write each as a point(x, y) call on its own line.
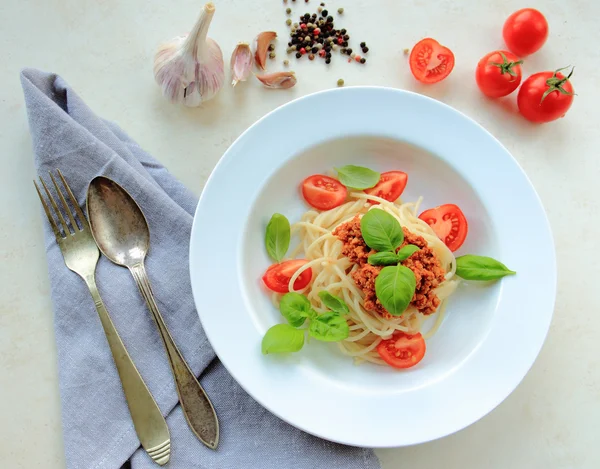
point(65, 205)
point(48, 214)
point(80, 214)
point(56, 210)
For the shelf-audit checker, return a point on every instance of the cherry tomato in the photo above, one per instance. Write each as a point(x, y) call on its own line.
point(545, 96)
point(278, 276)
point(498, 73)
point(323, 192)
point(449, 224)
point(525, 31)
point(402, 350)
point(390, 185)
point(430, 62)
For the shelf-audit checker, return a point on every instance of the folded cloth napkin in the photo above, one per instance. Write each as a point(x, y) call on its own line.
point(98, 432)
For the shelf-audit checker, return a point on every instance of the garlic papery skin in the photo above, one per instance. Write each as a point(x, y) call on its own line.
point(278, 80)
point(242, 60)
point(190, 69)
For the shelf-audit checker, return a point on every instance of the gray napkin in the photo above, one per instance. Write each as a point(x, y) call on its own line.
point(98, 432)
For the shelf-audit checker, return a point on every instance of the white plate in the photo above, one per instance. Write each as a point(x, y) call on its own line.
point(491, 334)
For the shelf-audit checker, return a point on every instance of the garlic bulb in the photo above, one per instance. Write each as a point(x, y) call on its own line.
point(190, 69)
point(241, 63)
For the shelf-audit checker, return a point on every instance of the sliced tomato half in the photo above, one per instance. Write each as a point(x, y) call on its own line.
point(323, 192)
point(449, 224)
point(390, 185)
point(402, 350)
point(277, 277)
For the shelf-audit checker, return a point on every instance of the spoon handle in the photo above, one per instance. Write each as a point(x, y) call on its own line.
point(197, 408)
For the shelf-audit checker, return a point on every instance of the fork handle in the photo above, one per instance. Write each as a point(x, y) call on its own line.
point(197, 408)
point(150, 425)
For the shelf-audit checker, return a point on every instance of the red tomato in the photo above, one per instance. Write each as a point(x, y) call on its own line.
point(498, 73)
point(525, 31)
point(430, 62)
point(449, 224)
point(323, 192)
point(278, 276)
point(545, 96)
point(390, 185)
point(402, 350)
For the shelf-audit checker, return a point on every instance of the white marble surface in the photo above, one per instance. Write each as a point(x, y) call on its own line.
point(104, 48)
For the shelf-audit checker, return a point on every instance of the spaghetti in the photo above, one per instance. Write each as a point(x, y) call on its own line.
point(332, 272)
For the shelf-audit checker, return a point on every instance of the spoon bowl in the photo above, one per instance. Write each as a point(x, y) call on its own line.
point(118, 224)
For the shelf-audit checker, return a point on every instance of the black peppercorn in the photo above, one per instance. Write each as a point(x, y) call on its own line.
point(345, 43)
point(328, 55)
point(363, 44)
point(327, 48)
point(343, 50)
point(365, 49)
point(330, 19)
point(306, 16)
point(314, 50)
point(327, 61)
point(346, 37)
point(320, 40)
point(324, 13)
point(295, 40)
point(343, 31)
point(322, 4)
point(298, 55)
point(363, 60)
point(290, 44)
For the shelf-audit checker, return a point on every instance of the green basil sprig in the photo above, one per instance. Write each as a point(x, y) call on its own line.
point(472, 267)
point(381, 231)
point(392, 258)
point(296, 309)
point(277, 237)
point(358, 177)
point(282, 338)
point(395, 287)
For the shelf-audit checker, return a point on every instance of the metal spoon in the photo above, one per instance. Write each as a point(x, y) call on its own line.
point(121, 232)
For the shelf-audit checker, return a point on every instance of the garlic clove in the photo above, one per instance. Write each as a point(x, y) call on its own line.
point(261, 46)
point(190, 68)
point(278, 80)
point(241, 63)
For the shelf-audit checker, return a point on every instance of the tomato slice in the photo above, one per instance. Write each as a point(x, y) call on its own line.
point(323, 192)
point(277, 277)
point(390, 185)
point(449, 224)
point(402, 350)
point(430, 62)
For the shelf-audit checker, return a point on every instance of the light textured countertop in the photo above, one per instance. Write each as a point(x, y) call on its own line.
point(104, 49)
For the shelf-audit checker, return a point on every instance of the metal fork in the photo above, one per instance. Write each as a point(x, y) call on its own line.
point(81, 256)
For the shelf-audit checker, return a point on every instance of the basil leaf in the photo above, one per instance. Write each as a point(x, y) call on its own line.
point(333, 302)
point(358, 177)
point(282, 338)
point(395, 287)
point(471, 267)
point(295, 308)
point(407, 251)
point(329, 327)
point(277, 237)
point(381, 231)
point(383, 258)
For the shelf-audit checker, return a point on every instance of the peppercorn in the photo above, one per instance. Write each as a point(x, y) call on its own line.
point(289, 50)
point(365, 49)
point(303, 51)
point(320, 9)
point(324, 13)
point(340, 11)
point(271, 47)
point(294, 48)
point(340, 82)
point(349, 51)
point(306, 17)
point(328, 55)
point(346, 37)
point(330, 19)
point(317, 31)
point(314, 50)
point(363, 60)
point(272, 55)
point(296, 25)
point(343, 43)
point(288, 11)
point(343, 50)
point(342, 31)
point(322, 4)
point(286, 63)
point(334, 46)
point(320, 40)
point(307, 39)
point(311, 57)
point(298, 54)
point(328, 61)
point(321, 53)
point(327, 49)
point(357, 58)
point(314, 16)
point(406, 51)
point(303, 26)
point(305, 1)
